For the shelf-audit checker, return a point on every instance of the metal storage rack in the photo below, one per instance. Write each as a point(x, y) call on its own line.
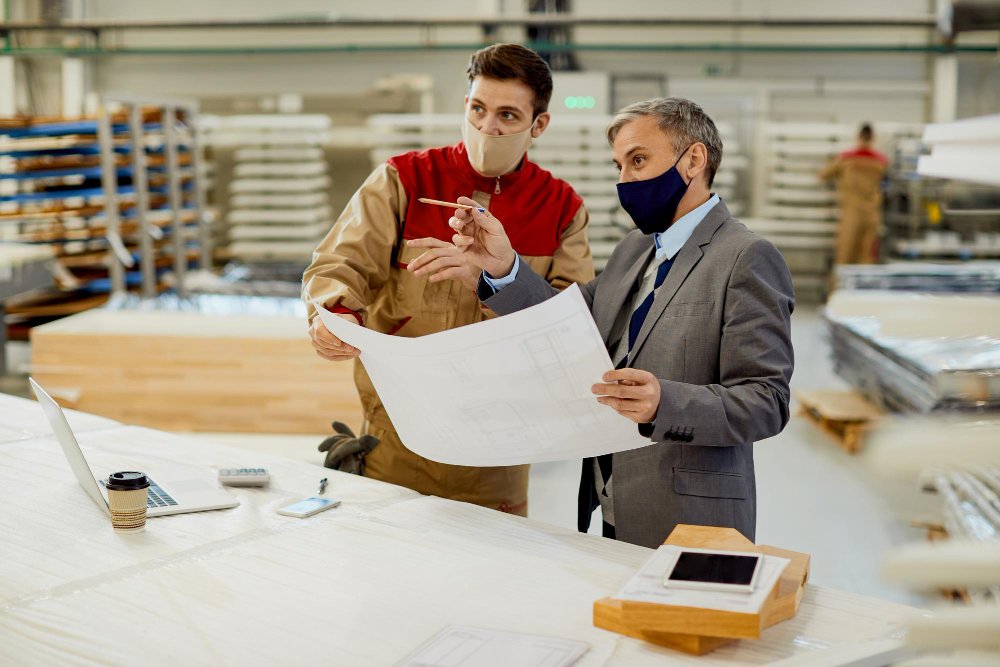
point(177, 235)
point(106, 194)
point(930, 218)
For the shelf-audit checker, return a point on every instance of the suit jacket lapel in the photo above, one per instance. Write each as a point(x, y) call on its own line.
point(686, 260)
point(636, 262)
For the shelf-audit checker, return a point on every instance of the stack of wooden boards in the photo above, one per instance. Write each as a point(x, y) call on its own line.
point(53, 189)
point(184, 371)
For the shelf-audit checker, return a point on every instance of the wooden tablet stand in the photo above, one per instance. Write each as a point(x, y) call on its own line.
point(699, 631)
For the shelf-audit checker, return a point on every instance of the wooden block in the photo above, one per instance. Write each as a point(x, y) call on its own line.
point(610, 614)
point(699, 631)
point(791, 586)
point(659, 618)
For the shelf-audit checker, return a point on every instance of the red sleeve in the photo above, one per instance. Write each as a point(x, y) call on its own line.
point(340, 310)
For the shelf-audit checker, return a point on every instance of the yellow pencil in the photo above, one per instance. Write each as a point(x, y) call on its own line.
point(437, 202)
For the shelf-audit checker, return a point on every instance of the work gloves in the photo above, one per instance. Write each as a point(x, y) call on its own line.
point(345, 451)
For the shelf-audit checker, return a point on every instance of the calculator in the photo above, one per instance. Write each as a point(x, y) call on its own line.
point(244, 476)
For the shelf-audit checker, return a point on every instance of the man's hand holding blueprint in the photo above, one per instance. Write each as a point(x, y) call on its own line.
point(507, 391)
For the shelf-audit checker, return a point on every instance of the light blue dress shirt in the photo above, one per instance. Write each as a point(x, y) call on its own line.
point(668, 243)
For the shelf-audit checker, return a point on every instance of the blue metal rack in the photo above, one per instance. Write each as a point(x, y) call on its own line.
point(87, 172)
point(109, 194)
point(89, 192)
point(84, 149)
point(64, 129)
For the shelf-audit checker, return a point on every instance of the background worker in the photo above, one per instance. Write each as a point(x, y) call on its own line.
point(364, 268)
point(858, 174)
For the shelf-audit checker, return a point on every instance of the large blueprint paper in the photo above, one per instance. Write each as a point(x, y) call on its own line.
point(511, 390)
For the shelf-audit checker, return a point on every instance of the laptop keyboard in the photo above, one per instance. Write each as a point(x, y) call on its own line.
point(158, 497)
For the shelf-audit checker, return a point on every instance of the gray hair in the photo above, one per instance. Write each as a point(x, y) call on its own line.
point(683, 120)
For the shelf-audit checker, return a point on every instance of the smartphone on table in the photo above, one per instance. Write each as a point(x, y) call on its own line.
point(308, 507)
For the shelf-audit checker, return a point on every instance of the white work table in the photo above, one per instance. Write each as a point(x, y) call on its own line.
point(363, 584)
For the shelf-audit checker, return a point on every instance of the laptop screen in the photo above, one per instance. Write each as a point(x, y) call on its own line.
point(70, 447)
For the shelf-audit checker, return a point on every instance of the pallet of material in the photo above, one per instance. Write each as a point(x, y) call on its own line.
point(183, 371)
point(844, 415)
point(938, 533)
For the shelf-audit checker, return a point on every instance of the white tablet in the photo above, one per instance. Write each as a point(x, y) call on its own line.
point(707, 570)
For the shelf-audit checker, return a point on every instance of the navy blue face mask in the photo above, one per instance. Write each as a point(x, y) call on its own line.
point(653, 203)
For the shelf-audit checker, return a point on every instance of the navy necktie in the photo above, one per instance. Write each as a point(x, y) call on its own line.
point(634, 325)
point(640, 313)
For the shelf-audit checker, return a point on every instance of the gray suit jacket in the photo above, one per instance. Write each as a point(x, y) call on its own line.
point(718, 337)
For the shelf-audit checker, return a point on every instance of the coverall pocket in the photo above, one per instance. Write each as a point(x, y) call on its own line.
point(415, 294)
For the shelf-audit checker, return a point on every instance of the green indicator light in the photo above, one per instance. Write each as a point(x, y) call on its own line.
point(580, 102)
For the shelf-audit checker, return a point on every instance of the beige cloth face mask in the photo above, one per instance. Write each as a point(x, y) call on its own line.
point(493, 155)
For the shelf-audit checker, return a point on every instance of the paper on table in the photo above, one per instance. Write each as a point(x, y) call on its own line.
point(465, 646)
point(507, 391)
point(647, 586)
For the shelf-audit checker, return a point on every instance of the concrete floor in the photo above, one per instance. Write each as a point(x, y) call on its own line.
point(812, 496)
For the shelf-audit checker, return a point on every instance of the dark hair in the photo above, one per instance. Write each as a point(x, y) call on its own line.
point(865, 133)
point(685, 122)
point(513, 61)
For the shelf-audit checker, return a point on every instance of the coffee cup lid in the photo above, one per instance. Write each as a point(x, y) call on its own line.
point(127, 480)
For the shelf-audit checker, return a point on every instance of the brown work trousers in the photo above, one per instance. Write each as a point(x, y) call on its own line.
point(857, 233)
point(503, 488)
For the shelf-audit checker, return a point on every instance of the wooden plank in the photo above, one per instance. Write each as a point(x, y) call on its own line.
point(194, 372)
point(609, 614)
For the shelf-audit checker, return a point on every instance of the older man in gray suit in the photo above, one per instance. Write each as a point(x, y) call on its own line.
point(694, 308)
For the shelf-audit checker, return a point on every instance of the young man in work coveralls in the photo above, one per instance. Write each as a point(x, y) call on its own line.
point(359, 271)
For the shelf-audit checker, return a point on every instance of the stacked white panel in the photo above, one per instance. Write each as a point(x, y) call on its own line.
point(279, 206)
point(574, 149)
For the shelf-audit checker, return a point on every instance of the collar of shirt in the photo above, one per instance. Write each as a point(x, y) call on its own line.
point(670, 242)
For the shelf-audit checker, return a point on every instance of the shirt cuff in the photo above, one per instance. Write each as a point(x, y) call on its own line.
point(499, 283)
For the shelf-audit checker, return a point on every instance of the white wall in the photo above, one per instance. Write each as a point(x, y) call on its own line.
point(320, 73)
point(978, 86)
point(747, 87)
point(816, 76)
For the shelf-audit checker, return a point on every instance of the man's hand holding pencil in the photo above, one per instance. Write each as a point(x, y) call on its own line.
point(480, 244)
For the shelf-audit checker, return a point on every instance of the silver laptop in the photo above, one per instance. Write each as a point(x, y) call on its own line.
point(170, 493)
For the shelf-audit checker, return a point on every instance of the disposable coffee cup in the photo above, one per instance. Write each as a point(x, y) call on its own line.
point(127, 493)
